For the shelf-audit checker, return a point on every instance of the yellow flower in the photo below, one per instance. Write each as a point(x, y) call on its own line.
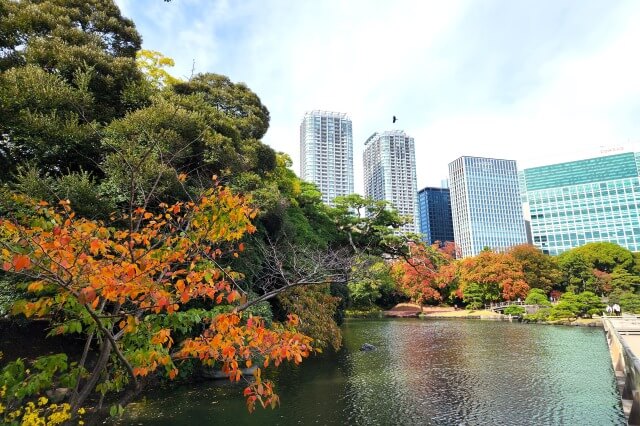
point(80, 422)
point(81, 411)
point(42, 401)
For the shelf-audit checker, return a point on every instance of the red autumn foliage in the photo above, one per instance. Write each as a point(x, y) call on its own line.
point(426, 273)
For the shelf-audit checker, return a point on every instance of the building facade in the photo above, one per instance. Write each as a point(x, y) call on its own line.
point(390, 173)
point(485, 204)
point(434, 211)
point(584, 201)
point(326, 153)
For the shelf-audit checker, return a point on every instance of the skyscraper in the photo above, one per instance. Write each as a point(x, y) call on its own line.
point(326, 153)
point(390, 173)
point(584, 201)
point(434, 210)
point(485, 204)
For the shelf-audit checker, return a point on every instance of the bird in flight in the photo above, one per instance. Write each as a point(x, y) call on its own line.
point(394, 119)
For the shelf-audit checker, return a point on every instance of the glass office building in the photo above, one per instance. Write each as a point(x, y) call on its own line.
point(390, 173)
point(434, 210)
point(326, 153)
point(485, 204)
point(584, 201)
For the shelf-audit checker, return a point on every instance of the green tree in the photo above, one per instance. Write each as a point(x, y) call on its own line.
point(370, 226)
point(628, 301)
point(636, 262)
point(624, 280)
point(537, 296)
point(207, 126)
point(573, 305)
point(474, 296)
point(606, 256)
point(370, 282)
point(65, 66)
point(577, 272)
point(514, 310)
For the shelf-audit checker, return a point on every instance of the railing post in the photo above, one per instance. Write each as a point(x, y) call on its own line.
point(634, 414)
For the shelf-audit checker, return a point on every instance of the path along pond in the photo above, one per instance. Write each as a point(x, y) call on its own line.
point(423, 372)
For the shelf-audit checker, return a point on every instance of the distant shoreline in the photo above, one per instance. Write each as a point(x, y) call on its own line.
point(410, 310)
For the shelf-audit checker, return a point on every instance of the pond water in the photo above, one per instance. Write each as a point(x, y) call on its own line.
point(424, 372)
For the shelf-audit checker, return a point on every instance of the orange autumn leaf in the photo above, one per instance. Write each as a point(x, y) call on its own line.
point(21, 262)
point(87, 295)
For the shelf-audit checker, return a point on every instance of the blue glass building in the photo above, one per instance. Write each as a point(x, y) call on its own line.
point(584, 201)
point(434, 209)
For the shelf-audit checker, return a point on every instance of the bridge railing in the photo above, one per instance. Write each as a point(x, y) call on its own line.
point(501, 305)
point(626, 363)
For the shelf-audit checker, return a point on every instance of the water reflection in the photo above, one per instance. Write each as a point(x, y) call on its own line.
point(423, 372)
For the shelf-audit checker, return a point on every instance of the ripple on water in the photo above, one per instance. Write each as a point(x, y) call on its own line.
point(428, 373)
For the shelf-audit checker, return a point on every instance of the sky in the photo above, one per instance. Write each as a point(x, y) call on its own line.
point(538, 82)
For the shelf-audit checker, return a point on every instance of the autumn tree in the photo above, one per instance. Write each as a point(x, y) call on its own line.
point(540, 270)
point(153, 65)
point(128, 291)
point(498, 276)
point(422, 276)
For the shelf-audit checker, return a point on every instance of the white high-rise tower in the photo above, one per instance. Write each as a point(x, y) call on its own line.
point(326, 153)
point(390, 173)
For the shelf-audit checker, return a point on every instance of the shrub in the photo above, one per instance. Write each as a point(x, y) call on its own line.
point(514, 310)
point(542, 315)
point(571, 305)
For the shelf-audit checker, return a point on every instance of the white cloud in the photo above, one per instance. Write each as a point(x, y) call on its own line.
point(456, 85)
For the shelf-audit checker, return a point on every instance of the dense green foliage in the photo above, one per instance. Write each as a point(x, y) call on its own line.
point(573, 305)
point(514, 310)
point(371, 284)
point(537, 296)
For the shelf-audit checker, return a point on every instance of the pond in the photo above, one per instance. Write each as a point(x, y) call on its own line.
point(423, 372)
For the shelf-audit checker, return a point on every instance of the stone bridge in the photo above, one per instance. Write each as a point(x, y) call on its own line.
point(500, 307)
